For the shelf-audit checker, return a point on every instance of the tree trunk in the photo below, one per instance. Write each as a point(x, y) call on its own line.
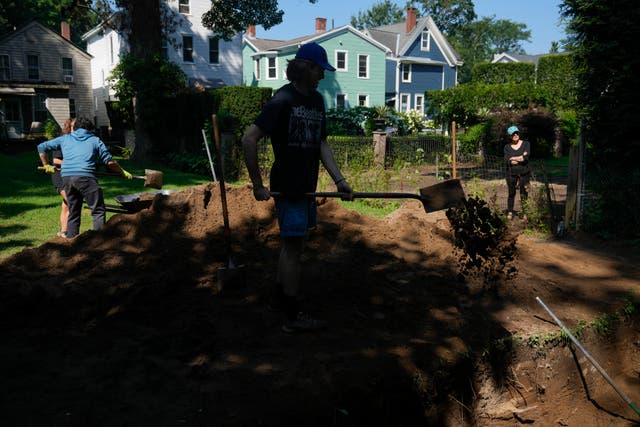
point(145, 40)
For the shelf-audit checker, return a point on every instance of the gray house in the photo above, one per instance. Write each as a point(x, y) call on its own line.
point(42, 75)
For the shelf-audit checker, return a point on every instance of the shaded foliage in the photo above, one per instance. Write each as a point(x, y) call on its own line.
point(607, 64)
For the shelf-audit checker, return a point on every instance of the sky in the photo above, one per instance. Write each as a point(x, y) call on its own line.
point(542, 18)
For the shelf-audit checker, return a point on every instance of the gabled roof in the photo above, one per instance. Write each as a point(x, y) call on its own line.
point(266, 46)
point(117, 15)
point(396, 38)
point(30, 26)
point(515, 57)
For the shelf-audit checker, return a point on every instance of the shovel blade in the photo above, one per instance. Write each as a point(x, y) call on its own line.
point(443, 195)
point(232, 277)
point(153, 178)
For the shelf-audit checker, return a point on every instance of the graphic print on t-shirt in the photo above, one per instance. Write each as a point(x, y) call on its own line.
point(304, 127)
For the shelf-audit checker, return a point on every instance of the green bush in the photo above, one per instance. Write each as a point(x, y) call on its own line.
point(51, 129)
point(498, 73)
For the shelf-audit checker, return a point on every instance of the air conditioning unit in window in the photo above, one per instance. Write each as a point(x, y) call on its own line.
point(68, 79)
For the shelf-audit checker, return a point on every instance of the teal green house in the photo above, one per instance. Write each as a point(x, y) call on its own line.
point(359, 79)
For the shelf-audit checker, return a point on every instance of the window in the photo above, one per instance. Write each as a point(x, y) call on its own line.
point(406, 73)
point(111, 49)
point(164, 48)
point(404, 102)
point(425, 41)
point(272, 68)
point(5, 67)
point(363, 100)
point(419, 104)
point(214, 50)
point(363, 66)
point(67, 70)
point(183, 7)
point(256, 70)
point(187, 48)
point(33, 67)
point(341, 100)
point(72, 108)
point(40, 107)
point(341, 60)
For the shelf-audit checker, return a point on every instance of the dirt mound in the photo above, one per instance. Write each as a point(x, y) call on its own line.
point(129, 325)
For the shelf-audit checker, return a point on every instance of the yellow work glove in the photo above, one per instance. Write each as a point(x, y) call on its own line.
point(126, 174)
point(50, 169)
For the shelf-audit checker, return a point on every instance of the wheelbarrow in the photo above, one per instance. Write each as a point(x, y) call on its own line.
point(132, 203)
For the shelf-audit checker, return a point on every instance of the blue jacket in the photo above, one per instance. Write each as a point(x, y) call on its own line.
point(81, 150)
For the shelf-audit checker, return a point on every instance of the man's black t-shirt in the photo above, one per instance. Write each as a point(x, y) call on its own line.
point(297, 126)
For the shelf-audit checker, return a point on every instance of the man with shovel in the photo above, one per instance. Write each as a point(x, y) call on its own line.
point(296, 122)
point(81, 149)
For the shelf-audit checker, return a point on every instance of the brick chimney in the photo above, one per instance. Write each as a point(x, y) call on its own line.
point(251, 31)
point(65, 30)
point(321, 25)
point(412, 14)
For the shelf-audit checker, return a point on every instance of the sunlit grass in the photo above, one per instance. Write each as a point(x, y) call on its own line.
point(30, 207)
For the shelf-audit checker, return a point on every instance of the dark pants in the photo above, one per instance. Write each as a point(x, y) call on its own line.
point(514, 181)
point(79, 189)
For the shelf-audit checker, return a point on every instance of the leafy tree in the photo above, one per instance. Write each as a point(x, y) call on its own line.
point(607, 64)
point(449, 15)
point(16, 13)
point(383, 13)
point(479, 40)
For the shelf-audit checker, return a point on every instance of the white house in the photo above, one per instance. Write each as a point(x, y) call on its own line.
point(207, 61)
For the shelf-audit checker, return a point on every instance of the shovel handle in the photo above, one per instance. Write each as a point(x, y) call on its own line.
point(104, 174)
point(358, 195)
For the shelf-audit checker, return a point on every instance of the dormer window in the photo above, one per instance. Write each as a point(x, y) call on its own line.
point(425, 41)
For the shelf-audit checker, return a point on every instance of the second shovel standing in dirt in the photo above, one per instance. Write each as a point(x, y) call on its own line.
point(232, 275)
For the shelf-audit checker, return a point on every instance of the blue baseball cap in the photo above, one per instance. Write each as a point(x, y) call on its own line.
point(315, 53)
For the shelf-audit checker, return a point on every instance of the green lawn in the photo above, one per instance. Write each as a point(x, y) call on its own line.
point(30, 207)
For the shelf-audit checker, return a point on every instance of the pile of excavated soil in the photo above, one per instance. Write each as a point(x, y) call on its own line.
point(130, 326)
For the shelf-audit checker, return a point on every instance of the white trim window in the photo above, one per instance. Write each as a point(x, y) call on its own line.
point(214, 50)
point(425, 41)
point(363, 66)
point(341, 101)
point(257, 69)
point(33, 67)
point(67, 69)
point(342, 60)
point(363, 100)
point(187, 49)
point(404, 102)
point(184, 7)
point(5, 67)
point(418, 104)
point(272, 68)
point(406, 73)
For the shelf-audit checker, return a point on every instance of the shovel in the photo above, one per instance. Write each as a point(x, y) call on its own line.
point(152, 178)
point(443, 195)
point(231, 276)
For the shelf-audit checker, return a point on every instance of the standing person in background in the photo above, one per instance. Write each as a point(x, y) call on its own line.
point(81, 149)
point(516, 156)
point(295, 120)
point(56, 179)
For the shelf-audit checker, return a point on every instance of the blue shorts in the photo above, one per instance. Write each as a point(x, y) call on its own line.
point(296, 217)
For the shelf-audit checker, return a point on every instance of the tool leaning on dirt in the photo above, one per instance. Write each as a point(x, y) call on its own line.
point(232, 275)
point(443, 195)
point(152, 178)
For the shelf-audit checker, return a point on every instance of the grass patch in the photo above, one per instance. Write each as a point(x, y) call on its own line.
point(30, 207)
